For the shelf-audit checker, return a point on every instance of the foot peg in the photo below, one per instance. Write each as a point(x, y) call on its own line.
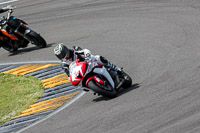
point(96, 94)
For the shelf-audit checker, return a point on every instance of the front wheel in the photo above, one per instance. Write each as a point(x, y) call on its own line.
point(106, 93)
point(36, 39)
point(128, 81)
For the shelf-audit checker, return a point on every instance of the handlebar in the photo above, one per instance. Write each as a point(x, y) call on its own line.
point(8, 8)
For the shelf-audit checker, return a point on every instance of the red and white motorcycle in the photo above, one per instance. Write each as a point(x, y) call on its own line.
point(98, 78)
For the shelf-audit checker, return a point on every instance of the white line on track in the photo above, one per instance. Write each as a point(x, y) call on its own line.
point(7, 2)
point(29, 62)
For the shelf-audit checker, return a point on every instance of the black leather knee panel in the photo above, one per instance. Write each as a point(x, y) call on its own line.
point(103, 60)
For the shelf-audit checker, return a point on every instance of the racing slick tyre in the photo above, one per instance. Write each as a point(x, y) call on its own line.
point(9, 48)
point(128, 81)
point(36, 39)
point(99, 90)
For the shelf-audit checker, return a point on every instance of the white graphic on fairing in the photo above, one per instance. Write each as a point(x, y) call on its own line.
point(75, 72)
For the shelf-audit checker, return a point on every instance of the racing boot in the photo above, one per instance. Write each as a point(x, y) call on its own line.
point(108, 64)
point(114, 67)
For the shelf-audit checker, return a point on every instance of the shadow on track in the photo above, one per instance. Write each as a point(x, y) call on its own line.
point(123, 91)
point(120, 92)
point(25, 50)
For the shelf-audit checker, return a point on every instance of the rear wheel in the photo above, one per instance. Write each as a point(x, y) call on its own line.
point(36, 39)
point(100, 90)
point(9, 48)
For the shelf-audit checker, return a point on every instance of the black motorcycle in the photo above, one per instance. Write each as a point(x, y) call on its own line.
point(15, 34)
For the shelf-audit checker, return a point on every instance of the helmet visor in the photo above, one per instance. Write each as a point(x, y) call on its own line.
point(61, 55)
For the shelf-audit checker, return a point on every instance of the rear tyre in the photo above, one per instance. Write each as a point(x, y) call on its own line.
point(9, 48)
point(36, 39)
point(106, 93)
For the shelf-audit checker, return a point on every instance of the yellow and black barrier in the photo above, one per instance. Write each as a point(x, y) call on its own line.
point(58, 91)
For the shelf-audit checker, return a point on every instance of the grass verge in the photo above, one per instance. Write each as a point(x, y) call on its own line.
point(17, 93)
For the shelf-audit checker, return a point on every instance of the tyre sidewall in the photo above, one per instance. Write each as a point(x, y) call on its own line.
point(37, 39)
point(109, 94)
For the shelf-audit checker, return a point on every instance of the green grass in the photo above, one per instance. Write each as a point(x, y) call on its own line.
point(17, 93)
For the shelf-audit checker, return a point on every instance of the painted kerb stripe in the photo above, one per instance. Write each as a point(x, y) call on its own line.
point(58, 91)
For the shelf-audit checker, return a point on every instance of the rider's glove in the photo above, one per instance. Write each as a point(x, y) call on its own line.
point(64, 65)
point(87, 53)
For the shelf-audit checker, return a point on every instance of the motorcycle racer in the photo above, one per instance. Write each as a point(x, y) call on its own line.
point(67, 56)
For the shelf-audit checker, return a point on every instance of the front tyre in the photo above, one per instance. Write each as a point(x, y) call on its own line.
point(36, 39)
point(106, 93)
point(128, 81)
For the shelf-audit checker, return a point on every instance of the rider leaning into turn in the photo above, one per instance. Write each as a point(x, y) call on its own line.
point(67, 56)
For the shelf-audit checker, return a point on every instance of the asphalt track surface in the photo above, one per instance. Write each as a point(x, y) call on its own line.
point(157, 42)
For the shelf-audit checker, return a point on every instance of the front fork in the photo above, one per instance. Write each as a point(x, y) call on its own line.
point(26, 30)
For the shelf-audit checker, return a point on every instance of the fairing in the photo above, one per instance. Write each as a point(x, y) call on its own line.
point(95, 78)
point(104, 72)
point(77, 71)
point(9, 35)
